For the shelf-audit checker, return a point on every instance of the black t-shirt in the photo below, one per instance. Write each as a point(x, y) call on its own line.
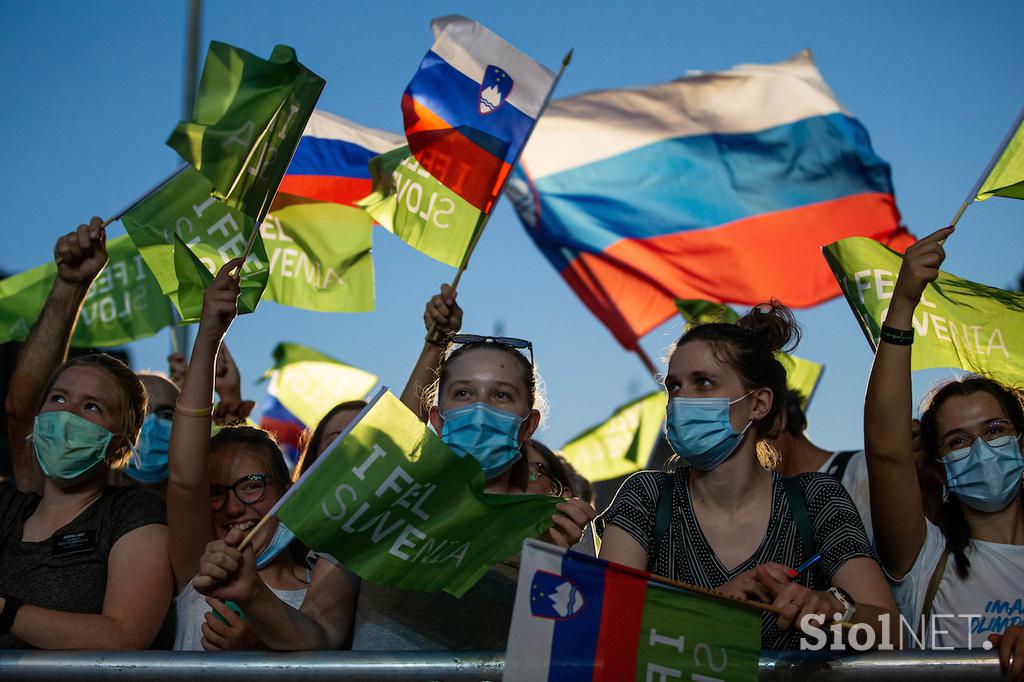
point(68, 570)
point(686, 555)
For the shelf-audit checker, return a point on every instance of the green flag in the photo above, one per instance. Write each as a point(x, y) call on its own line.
point(185, 236)
point(1006, 175)
point(801, 375)
point(320, 256)
point(309, 383)
point(621, 444)
point(248, 118)
point(424, 213)
point(124, 303)
point(957, 324)
point(393, 504)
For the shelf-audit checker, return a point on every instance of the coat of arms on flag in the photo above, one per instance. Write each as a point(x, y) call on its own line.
point(554, 596)
point(494, 89)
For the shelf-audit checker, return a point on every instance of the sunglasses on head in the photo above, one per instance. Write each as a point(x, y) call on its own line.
point(505, 341)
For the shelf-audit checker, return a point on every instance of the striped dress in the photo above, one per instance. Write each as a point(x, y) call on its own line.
point(687, 556)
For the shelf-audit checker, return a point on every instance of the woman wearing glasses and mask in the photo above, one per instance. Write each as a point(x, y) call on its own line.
point(218, 490)
point(971, 563)
point(724, 520)
point(483, 405)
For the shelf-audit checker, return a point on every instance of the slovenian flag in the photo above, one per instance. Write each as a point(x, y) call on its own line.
point(577, 618)
point(717, 186)
point(331, 161)
point(470, 108)
point(286, 428)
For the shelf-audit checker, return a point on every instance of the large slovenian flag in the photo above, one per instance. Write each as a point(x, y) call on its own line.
point(331, 161)
point(577, 618)
point(719, 186)
point(470, 108)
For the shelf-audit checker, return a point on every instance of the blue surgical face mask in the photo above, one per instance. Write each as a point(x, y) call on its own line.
point(67, 446)
point(278, 543)
point(488, 435)
point(986, 476)
point(149, 457)
point(700, 432)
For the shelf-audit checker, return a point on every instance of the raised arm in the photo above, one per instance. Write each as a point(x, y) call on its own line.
point(188, 484)
point(227, 383)
point(137, 596)
point(445, 315)
point(80, 256)
point(897, 510)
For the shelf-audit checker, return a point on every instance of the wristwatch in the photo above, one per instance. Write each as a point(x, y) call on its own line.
point(844, 598)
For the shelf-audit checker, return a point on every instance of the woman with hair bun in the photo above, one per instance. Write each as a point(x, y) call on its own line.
point(723, 520)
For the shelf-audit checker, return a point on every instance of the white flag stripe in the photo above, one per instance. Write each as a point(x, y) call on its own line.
point(328, 126)
point(528, 654)
point(470, 47)
point(598, 125)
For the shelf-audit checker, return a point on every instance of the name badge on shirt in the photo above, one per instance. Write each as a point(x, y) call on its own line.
point(74, 543)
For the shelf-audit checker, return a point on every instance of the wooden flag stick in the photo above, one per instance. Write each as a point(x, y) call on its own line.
point(248, 538)
point(486, 217)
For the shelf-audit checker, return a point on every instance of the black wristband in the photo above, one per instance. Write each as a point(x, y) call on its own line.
point(897, 337)
point(11, 606)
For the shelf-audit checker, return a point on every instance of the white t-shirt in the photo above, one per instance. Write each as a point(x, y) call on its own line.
point(191, 612)
point(855, 480)
point(964, 612)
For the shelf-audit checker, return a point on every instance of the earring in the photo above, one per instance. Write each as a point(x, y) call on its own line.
point(945, 493)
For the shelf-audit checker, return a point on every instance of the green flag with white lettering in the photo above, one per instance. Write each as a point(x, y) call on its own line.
point(958, 323)
point(392, 503)
point(1005, 178)
point(185, 236)
point(248, 117)
point(309, 383)
point(621, 444)
point(320, 256)
point(801, 375)
point(124, 303)
point(419, 209)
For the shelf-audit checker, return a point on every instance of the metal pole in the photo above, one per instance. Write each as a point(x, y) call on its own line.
point(179, 332)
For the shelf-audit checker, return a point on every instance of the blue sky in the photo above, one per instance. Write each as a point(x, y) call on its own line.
point(95, 88)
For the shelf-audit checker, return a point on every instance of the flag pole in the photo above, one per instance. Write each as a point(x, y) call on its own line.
point(147, 194)
point(566, 60)
point(644, 358)
point(988, 168)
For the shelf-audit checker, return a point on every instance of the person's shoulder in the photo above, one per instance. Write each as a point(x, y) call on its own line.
point(12, 500)
point(135, 504)
point(814, 483)
point(649, 482)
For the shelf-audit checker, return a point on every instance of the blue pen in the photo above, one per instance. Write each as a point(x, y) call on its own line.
point(794, 572)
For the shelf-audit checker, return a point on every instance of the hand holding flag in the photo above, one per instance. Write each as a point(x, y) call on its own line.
point(220, 303)
point(228, 571)
point(81, 255)
point(920, 267)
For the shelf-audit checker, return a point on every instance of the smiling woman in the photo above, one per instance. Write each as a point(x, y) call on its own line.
point(218, 491)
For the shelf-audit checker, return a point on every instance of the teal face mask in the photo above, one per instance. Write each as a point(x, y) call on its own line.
point(149, 460)
point(68, 446)
point(488, 435)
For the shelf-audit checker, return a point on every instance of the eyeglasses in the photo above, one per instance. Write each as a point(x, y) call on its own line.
point(961, 440)
point(537, 470)
point(248, 489)
point(507, 341)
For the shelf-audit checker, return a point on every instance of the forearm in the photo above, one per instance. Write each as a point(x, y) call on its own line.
point(188, 488)
point(43, 351)
point(896, 508)
point(423, 375)
point(50, 629)
point(283, 628)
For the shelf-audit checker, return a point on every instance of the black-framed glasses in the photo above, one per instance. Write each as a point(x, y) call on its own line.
point(537, 469)
point(507, 341)
point(248, 489)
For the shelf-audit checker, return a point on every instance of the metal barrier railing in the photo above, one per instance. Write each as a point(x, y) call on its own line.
point(308, 666)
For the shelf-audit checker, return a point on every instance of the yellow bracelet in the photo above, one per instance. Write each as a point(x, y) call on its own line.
point(193, 411)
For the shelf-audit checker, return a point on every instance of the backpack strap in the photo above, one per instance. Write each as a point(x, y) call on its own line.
point(797, 505)
point(839, 463)
point(933, 584)
point(663, 517)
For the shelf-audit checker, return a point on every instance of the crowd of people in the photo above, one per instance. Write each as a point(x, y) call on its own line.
point(123, 524)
